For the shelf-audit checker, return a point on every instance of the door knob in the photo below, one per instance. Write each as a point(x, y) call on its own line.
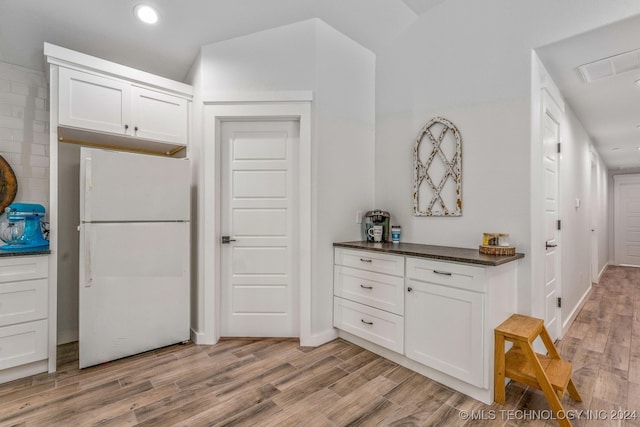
point(548, 245)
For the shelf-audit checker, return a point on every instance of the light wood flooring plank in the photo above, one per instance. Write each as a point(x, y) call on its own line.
point(275, 382)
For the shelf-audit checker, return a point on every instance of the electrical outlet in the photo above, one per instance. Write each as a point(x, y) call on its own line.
point(358, 217)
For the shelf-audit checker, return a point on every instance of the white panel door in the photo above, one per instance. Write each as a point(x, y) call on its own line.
point(159, 116)
point(119, 186)
point(258, 170)
point(627, 220)
point(550, 141)
point(93, 102)
point(134, 288)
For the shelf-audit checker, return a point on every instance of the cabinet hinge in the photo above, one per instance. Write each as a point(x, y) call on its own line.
point(559, 224)
point(559, 302)
point(559, 147)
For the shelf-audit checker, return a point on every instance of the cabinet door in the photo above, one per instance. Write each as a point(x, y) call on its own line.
point(444, 329)
point(159, 116)
point(93, 102)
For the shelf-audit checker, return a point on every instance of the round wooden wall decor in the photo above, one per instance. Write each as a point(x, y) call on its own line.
point(8, 184)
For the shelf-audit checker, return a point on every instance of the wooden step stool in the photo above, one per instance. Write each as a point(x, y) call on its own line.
point(548, 373)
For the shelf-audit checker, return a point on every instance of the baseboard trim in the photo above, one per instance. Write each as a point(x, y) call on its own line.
point(201, 338)
point(604, 268)
point(576, 310)
point(320, 338)
point(65, 337)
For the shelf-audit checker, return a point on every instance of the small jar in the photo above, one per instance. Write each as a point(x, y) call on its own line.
point(395, 233)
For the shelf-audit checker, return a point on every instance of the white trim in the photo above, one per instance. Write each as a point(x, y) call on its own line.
point(602, 271)
point(210, 225)
point(72, 59)
point(618, 181)
point(230, 97)
point(53, 217)
point(17, 372)
point(572, 316)
point(197, 337)
point(321, 338)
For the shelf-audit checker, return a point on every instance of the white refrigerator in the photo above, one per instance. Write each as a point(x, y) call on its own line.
point(134, 254)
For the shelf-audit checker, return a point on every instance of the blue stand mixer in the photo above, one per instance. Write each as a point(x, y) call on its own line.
point(22, 230)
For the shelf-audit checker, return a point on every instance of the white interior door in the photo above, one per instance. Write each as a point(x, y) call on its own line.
point(627, 219)
point(258, 200)
point(550, 140)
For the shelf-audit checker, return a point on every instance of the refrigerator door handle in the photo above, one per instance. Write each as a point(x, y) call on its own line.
point(88, 186)
point(87, 260)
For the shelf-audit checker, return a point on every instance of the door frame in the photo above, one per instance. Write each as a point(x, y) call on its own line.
point(552, 108)
point(618, 182)
point(214, 113)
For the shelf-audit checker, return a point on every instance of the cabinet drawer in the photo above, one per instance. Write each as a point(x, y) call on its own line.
point(374, 289)
point(23, 343)
point(446, 273)
point(371, 261)
point(23, 301)
point(377, 326)
point(14, 269)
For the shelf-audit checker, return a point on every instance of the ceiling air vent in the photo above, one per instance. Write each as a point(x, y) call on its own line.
point(611, 66)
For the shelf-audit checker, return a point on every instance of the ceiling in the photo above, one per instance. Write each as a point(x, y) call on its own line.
point(609, 107)
point(108, 29)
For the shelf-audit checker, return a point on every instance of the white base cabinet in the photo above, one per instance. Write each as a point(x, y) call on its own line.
point(434, 317)
point(23, 316)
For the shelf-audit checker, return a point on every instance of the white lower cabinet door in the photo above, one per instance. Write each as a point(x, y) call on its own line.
point(23, 343)
point(444, 329)
point(377, 326)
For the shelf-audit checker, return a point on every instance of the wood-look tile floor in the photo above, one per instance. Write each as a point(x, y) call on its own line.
point(278, 383)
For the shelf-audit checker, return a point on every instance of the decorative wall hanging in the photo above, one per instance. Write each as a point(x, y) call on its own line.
point(437, 161)
point(8, 184)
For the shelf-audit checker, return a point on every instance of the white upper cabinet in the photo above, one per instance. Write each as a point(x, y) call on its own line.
point(158, 116)
point(93, 102)
point(102, 104)
point(98, 103)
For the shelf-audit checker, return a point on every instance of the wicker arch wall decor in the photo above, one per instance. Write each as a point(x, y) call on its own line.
point(437, 161)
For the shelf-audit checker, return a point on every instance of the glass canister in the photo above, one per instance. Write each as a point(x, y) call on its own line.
point(395, 233)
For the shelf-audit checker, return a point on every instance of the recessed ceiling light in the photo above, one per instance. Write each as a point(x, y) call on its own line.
point(146, 14)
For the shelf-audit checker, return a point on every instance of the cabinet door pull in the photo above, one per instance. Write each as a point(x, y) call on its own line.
point(365, 287)
point(365, 260)
point(444, 273)
point(126, 127)
point(409, 289)
point(366, 323)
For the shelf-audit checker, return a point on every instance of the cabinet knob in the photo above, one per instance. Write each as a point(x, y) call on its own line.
point(126, 127)
point(135, 129)
point(409, 289)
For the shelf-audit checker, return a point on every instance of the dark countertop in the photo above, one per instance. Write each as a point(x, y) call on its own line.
point(443, 253)
point(4, 253)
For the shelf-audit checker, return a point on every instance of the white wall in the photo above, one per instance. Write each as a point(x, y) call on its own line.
point(24, 130)
point(470, 62)
point(575, 185)
point(310, 56)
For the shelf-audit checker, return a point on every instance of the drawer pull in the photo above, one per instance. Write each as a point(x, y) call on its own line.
point(366, 323)
point(444, 273)
point(365, 260)
point(366, 287)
